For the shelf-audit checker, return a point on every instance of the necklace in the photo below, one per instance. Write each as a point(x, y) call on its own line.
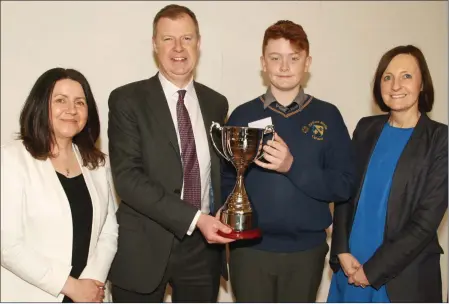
point(392, 123)
point(63, 163)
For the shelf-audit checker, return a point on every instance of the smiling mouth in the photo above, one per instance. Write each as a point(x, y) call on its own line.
point(179, 59)
point(398, 96)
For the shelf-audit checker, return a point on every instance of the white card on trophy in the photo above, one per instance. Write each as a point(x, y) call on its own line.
point(261, 123)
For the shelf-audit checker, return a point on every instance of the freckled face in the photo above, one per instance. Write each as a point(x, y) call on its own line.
point(284, 66)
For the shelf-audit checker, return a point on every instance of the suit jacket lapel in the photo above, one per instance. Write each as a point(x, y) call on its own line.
point(207, 111)
point(159, 108)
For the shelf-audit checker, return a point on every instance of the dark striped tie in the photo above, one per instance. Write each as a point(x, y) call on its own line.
point(192, 179)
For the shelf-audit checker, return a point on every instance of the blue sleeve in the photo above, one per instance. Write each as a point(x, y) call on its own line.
point(334, 181)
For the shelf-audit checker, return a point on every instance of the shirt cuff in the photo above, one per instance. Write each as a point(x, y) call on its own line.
point(193, 224)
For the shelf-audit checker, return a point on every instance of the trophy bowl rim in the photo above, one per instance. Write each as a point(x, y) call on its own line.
point(246, 128)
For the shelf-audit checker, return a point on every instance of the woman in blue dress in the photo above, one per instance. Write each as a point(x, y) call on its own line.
point(384, 243)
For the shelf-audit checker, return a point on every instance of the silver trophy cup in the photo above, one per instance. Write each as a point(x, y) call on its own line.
point(241, 146)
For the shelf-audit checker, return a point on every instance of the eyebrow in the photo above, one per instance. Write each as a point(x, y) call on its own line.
point(276, 53)
point(171, 35)
point(63, 95)
point(404, 71)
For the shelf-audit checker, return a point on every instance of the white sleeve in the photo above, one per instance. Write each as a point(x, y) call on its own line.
point(17, 256)
point(193, 224)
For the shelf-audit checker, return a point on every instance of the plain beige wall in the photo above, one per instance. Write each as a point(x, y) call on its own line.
point(110, 42)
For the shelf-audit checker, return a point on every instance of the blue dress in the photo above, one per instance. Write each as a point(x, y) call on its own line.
point(369, 223)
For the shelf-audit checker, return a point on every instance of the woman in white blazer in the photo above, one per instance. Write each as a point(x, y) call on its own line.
point(58, 226)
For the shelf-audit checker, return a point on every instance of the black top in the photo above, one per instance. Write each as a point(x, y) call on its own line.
point(81, 207)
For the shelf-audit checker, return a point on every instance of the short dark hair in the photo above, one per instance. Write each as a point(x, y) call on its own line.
point(290, 31)
point(174, 11)
point(426, 96)
point(36, 131)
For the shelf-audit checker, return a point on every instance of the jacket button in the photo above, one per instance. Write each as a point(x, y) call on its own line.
point(177, 191)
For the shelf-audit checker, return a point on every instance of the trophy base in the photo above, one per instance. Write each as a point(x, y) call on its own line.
point(242, 235)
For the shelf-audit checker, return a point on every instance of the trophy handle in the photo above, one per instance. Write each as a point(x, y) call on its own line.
point(268, 129)
point(220, 128)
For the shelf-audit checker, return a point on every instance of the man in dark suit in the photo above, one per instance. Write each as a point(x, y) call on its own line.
point(167, 174)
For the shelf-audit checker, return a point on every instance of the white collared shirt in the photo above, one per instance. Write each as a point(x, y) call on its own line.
point(199, 133)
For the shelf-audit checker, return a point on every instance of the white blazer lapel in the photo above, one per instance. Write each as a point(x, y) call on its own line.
point(50, 179)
